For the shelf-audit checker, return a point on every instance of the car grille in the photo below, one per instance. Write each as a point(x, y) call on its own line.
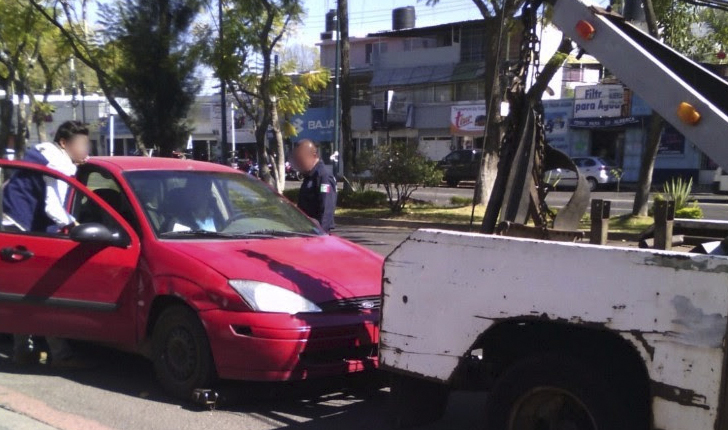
point(356, 304)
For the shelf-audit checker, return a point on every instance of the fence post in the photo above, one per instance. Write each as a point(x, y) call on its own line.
point(664, 220)
point(599, 221)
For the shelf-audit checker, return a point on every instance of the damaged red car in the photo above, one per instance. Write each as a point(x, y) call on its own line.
point(207, 272)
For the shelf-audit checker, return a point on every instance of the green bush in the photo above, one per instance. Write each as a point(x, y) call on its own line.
point(461, 201)
point(678, 190)
point(292, 194)
point(691, 212)
point(401, 169)
point(361, 199)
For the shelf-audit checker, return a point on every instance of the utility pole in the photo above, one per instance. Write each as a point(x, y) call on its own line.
point(347, 142)
point(223, 90)
point(337, 105)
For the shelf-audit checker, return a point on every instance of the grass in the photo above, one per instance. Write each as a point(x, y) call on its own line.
point(461, 216)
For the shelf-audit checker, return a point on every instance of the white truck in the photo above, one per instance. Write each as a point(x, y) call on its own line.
point(568, 335)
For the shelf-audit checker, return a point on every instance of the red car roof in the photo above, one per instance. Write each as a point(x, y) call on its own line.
point(157, 163)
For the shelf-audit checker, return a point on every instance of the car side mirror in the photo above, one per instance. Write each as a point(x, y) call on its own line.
point(99, 234)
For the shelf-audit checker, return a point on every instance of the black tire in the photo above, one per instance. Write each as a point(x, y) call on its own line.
point(575, 394)
point(416, 402)
point(452, 182)
point(181, 352)
point(593, 184)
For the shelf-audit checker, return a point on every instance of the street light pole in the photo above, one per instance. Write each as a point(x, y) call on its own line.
point(337, 106)
point(223, 101)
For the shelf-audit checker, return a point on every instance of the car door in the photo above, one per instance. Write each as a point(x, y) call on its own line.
point(52, 285)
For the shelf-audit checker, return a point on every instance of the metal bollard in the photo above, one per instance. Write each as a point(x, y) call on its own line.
point(664, 220)
point(599, 221)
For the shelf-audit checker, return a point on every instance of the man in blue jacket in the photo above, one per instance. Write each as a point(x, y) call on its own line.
point(36, 203)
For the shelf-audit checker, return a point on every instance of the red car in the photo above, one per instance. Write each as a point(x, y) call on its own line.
point(204, 270)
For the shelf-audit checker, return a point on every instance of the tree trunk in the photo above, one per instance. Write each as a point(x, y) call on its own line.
point(6, 121)
point(279, 163)
point(21, 126)
point(647, 166)
point(654, 131)
point(347, 144)
point(494, 134)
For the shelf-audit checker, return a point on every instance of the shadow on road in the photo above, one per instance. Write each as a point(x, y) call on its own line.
point(354, 402)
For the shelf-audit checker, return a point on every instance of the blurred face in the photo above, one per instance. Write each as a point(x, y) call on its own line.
point(77, 147)
point(304, 159)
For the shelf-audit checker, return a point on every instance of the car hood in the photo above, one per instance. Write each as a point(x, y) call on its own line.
point(321, 268)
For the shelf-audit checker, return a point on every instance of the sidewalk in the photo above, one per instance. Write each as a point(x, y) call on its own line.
point(10, 420)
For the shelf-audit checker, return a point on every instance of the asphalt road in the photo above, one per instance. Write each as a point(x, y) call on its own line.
point(120, 392)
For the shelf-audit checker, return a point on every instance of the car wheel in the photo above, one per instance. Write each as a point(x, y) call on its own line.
point(452, 182)
point(593, 184)
point(556, 392)
point(182, 357)
point(415, 401)
point(298, 176)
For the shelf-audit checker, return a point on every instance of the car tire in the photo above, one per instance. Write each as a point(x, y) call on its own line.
point(551, 391)
point(416, 402)
point(452, 182)
point(593, 184)
point(181, 352)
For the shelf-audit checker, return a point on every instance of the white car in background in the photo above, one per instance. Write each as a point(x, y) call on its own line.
point(596, 170)
point(9, 154)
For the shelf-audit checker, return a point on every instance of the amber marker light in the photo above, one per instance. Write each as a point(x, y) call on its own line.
point(688, 114)
point(585, 30)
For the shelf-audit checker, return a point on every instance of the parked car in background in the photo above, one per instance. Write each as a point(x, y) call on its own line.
point(199, 267)
point(9, 154)
point(460, 165)
point(596, 170)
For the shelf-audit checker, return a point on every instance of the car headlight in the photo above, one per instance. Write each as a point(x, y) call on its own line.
point(264, 297)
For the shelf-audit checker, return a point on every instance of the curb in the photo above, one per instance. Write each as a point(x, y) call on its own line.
point(376, 222)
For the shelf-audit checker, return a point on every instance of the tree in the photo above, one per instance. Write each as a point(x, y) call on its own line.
point(247, 62)
point(302, 58)
point(32, 60)
point(98, 56)
point(671, 21)
point(401, 170)
point(492, 11)
point(156, 69)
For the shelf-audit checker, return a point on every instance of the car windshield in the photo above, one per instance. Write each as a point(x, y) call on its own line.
point(607, 162)
point(182, 204)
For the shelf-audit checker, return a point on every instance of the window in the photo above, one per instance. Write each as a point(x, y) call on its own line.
point(105, 186)
point(24, 208)
point(472, 90)
point(373, 49)
point(443, 93)
point(425, 94)
point(472, 45)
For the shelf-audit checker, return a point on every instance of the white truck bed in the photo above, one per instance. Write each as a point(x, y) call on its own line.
point(443, 290)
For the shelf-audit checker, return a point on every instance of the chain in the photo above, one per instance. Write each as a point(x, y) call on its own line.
point(529, 59)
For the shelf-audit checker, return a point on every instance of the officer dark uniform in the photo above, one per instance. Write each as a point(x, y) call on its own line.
point(317, 198)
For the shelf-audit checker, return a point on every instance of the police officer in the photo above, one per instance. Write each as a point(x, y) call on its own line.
point(317, 198)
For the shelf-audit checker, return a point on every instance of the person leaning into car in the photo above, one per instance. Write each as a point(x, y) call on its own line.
point(317, 198)
point(37, 203)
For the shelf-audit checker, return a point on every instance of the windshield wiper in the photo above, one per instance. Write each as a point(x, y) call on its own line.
point(284, 233)
point(198, 233)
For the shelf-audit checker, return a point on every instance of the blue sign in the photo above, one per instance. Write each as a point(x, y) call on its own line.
point(640, 107)
point(316, 124)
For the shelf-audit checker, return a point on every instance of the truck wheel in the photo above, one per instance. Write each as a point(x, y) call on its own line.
point(452, 182)
point(181, 353)
point(556, 392)
point(415, 402)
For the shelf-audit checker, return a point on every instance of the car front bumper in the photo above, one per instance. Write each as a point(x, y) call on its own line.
point(279, 347)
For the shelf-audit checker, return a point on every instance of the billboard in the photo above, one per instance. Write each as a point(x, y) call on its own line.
point(598, 101)
point(467, 120)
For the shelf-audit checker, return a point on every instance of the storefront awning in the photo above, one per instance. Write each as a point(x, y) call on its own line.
point(403, 76)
